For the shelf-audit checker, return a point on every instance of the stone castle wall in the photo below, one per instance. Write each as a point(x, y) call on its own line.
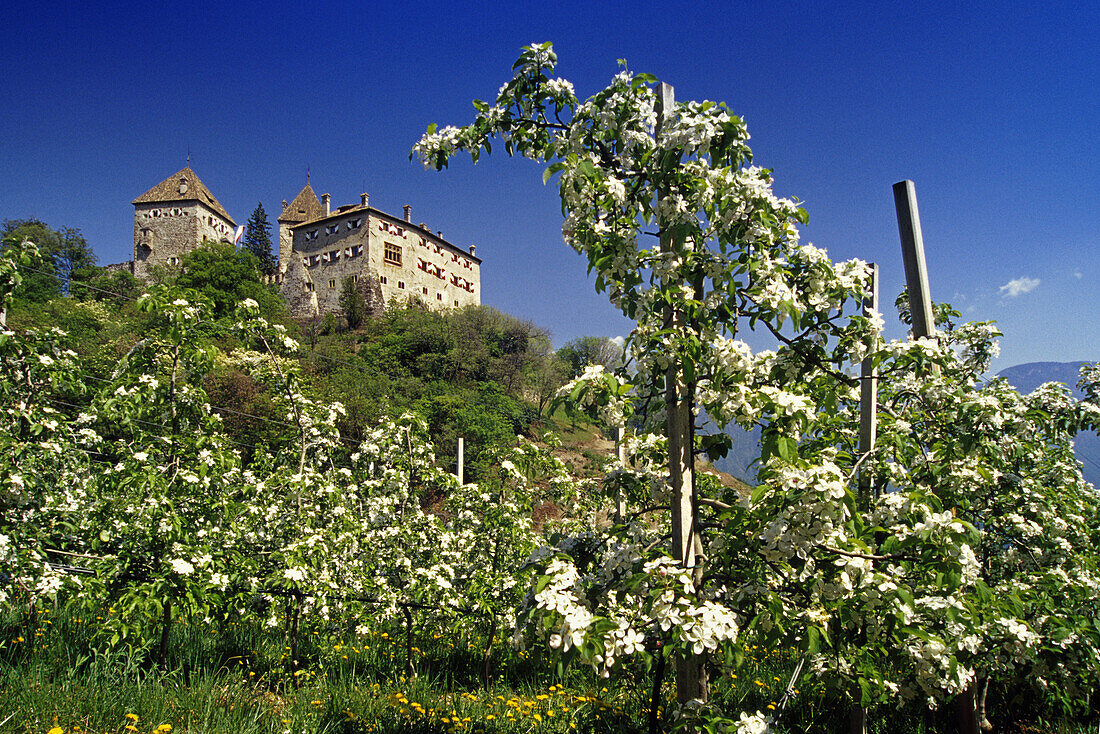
point(395, 259)
point(390, 259)
point(165, 232)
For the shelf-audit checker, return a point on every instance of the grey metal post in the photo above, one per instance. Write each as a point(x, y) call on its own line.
point(620, 452)
point(678, 407)
point(868, 397)
point(912, 253)
point(460, 470)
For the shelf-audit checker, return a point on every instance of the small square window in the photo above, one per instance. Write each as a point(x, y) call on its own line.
point(439, 296)
point(383, 280)
point(332, 282)
point(401, 284)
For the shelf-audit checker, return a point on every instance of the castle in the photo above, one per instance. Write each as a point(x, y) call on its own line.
point(385, 256)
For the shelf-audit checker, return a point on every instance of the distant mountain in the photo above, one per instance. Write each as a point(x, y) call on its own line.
point(745, 450)
point(1023, 377)
point(1027, 377)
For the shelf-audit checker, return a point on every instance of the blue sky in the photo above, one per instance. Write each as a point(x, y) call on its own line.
point(991, 108)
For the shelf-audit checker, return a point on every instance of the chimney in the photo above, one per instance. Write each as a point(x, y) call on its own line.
point(424, 226)
point(326, 200)
point(473, 248)
point(439, 234)
point(364, 199)
point(408, 213)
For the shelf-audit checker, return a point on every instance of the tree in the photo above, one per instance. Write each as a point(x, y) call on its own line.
point(591, 350)
point(61, 253)
point(226, 276)
point(882, 592)
point(257, 240)
point(726, 249)
point(352, 303)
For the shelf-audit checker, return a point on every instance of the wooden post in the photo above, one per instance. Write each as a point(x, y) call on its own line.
point(677, 404)
point(691, 673)
point(912, 254)
point(460, 469)
point(620, 452)
point(868, 395)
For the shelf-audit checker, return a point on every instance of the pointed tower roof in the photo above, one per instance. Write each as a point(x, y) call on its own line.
point(305, 207)
point(183, 186)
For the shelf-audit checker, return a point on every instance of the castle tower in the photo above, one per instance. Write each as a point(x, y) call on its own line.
point(175, 217)
point(305, 208)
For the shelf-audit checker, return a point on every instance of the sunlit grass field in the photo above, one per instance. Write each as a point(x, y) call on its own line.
point(57, 676)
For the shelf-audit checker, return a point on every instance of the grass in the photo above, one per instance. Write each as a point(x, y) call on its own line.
point(235, 677)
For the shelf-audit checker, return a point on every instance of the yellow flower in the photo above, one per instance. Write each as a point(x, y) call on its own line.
point(163, 729)
point(56, 730)
point(132, 717)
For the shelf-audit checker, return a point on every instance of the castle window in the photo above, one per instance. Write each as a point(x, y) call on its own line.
point(425, 291)
point(439, 296)
point(355, 223)
point(456, 302)
point(332, 229)
point(311, 234)
point(401, 284)
point(173, 261)
point(355, 279)
point(383, 279)
point(393, 254)
point(332, 282)
point(309, 287)
point(355, 251)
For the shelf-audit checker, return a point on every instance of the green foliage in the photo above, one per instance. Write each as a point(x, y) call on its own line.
point(585, 351)
point(99, 284)
point(226, 276)
point(257, 240)
point(352, 303)
point(40, 277)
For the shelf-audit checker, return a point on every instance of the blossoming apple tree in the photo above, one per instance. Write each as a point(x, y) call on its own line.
point(689, 241)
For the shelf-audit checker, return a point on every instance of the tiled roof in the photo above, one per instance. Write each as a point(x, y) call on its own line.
point(195, 190)
point(305, 207)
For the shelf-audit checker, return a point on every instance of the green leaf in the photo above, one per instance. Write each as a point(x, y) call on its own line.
point(587, 168)
point(787, 448)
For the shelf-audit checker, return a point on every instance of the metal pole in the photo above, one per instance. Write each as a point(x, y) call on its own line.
point(678, 408)
point(460, 470)
point(620, 452)
point(912, 253)
point(868, 395)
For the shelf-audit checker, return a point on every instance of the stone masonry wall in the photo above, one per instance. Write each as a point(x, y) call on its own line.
point(165, 232)
point(395, 259)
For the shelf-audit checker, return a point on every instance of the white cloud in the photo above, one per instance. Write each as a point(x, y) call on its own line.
point(618, 341)
point(1077, 274)
point(1019, 286)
